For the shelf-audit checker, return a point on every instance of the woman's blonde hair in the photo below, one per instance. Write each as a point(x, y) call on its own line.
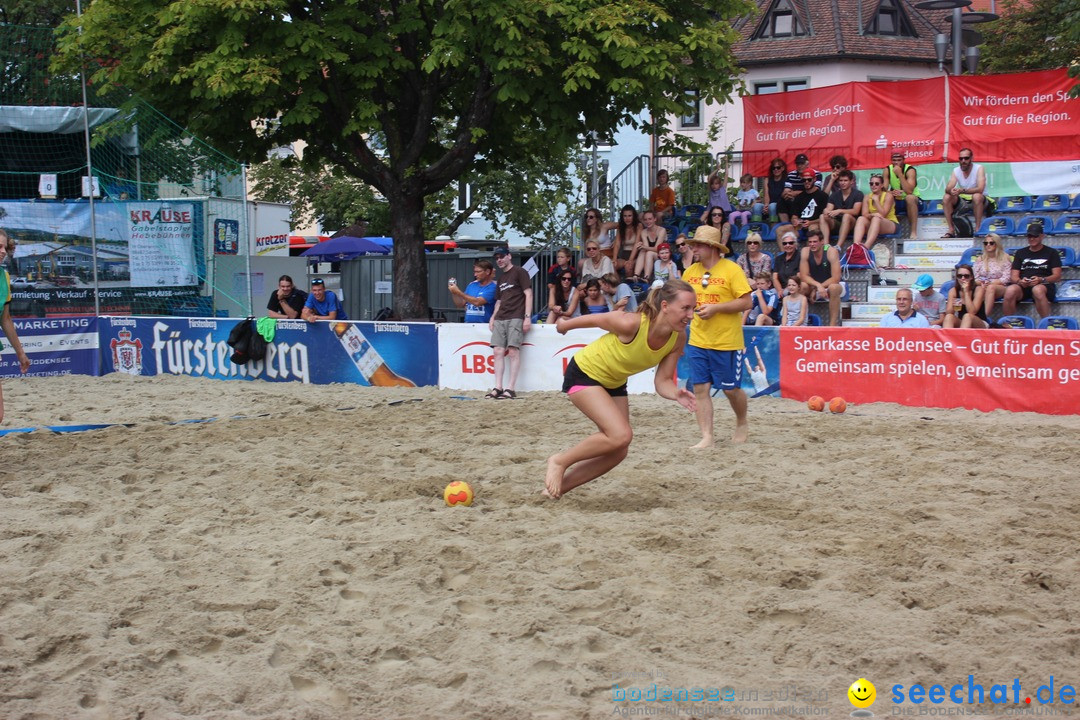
point(667, 292)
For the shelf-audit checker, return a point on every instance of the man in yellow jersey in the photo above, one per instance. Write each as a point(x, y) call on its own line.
point(716, 346)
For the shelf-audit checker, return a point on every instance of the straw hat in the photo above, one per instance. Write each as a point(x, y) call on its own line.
point(708, 235)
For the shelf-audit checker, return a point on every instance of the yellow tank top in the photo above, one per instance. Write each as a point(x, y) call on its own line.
point(875, 206)
point(610, 362)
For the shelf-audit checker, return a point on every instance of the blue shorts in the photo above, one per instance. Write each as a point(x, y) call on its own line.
point(719, 368)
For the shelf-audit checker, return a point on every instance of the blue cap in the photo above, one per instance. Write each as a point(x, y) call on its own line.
point(501, 250)
point(923, 282)
point(317, 281)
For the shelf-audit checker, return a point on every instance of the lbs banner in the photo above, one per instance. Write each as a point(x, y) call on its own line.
point(366, 353)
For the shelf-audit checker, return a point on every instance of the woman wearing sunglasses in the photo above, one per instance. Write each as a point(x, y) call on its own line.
point(964, 306)
point(594, 228)
point(562, 297)
point(774, 188)
point(596, 376)
point(878, 214)
point(993, 270)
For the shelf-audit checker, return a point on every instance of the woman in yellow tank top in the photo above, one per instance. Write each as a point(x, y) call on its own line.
point(878, 214)
point(596, 378)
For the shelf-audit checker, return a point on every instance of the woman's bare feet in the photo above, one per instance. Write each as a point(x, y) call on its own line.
point(553, 479)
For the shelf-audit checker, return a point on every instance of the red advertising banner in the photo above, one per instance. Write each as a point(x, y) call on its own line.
point(1014, 118)
point(1017, 370)
point(1003, 118)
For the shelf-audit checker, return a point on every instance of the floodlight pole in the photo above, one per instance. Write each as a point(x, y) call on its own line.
point(90, 175)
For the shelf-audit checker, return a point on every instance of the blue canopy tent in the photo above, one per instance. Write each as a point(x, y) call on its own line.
point(345, 247)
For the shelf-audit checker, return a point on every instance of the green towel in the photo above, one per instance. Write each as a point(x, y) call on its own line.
point(266, 326)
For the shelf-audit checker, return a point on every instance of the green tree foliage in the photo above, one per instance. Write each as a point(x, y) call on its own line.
point(409, 96)
point(1033, 35)
point(45, 13)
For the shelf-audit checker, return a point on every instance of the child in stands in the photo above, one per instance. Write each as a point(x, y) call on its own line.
point(763, 301)
point(747, 197)
point(665, 268)
point(794, 308)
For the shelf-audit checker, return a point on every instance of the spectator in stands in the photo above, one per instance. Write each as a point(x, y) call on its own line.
point(819, 274)
point(1035, 270)
point(683, 255)
point(662, 197)
point(747, 197)
point(509, 322)
point(838, 163)
point(322, 304)
point(774, 190)
point(595, 265)
point(902, 182)
point(753, 261)
point(716, 343)
point(967, 182)
point(964, 306)
point(286, 302)
point(665, 268)
point(626, 238)
point(905, 315)
point(786, 263)
point(717, 218)
point(763, 301)
point(718, 196)
point(843, 210)
point(649, 240)
point(793, 310)
point(620, 296)
point(6, 323)
point(562, 299)
point(594, 228)
point(591, 300)
point(562, 264)
point(479, 297)
point(806, 207)
point(993, 272)
point(878, 214)
point(794, 186)
point(927, 301)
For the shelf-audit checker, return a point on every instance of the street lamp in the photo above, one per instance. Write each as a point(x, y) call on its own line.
point(961, 36)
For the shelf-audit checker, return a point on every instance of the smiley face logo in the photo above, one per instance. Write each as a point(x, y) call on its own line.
point(862, 693)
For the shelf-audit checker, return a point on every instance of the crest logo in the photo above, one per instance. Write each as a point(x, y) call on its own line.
point(127, 353)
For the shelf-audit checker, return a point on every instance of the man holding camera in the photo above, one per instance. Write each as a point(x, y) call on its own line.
point(479, 297)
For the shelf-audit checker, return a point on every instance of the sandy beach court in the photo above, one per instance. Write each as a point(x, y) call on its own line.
point(294, 559)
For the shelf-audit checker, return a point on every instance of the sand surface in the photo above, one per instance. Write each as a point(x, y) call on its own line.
point(299, 562)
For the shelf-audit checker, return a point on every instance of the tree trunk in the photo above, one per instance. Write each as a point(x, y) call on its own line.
point(410, 265)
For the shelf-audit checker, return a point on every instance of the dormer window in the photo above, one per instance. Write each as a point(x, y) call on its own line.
point(890, 19)
point(781, 21)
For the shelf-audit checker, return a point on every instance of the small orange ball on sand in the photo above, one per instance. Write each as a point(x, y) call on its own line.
point(837, 405)
point(816, 403)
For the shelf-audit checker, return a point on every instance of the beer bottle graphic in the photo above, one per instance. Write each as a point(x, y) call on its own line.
point(367, 359)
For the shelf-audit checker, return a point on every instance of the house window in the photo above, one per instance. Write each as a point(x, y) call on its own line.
point(692, 119)
point(890, 19)
point(776, 86)
point(780, 21)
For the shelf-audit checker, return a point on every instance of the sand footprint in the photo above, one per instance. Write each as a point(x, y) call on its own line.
point(313, 691)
